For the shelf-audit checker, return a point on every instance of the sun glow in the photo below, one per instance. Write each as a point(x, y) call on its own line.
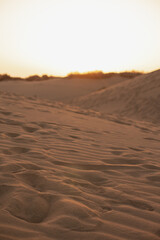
point(62, 36)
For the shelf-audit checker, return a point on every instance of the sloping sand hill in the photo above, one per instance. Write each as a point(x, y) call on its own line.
point(137, 98)
point(67, 174)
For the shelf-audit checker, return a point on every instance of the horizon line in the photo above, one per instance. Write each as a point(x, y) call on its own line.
point(76, 73)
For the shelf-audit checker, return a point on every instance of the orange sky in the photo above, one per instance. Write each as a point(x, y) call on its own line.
point(61, 36)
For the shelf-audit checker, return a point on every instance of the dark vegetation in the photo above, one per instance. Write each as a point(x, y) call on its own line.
point(6, 77)
point(88, 75)
point(38, 78)
point(101, 75)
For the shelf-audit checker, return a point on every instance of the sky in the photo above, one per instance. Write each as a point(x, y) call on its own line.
point(56, 37)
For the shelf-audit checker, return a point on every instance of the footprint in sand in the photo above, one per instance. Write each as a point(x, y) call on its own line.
point(15, 150)
point(12, 135)
point(19, 150)
point(29, 129)
point(35, 180)
point(117, 152)
point(5, 113)
point(29, 207)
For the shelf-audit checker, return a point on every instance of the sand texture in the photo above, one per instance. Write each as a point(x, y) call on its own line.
point(78, 172)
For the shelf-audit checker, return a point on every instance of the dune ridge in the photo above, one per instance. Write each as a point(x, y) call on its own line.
point(137, 98)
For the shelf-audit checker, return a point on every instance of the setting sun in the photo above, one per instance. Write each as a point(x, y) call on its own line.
point(59, 36)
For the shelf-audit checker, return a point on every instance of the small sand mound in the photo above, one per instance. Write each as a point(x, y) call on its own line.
point(74, 208)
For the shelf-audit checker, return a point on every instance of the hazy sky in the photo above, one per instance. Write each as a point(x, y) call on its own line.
point(61, 36)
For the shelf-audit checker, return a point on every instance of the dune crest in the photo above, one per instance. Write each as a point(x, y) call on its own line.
point(136, 98)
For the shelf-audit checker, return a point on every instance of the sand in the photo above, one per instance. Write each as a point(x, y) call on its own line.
point(80, 172)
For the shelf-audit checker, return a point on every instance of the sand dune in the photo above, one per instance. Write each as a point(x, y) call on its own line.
point(66, 173)
point(137, 98)
point(60, 89)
